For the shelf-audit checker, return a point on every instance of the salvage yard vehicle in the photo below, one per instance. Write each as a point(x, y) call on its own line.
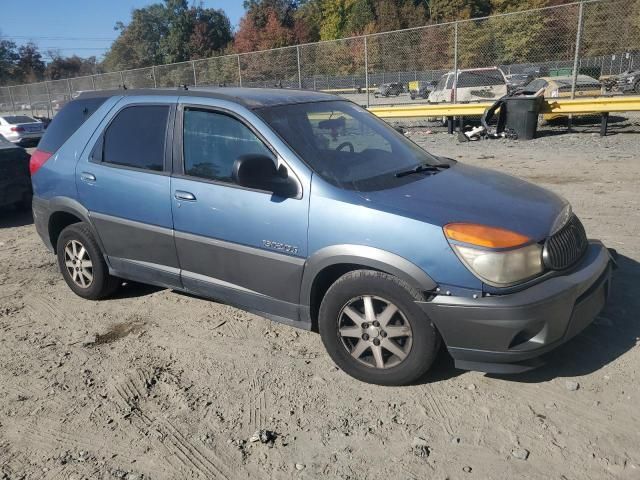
point(560, 87)
point(420, 89)
point(21, 128)
point(389, 89)
point(15, 182)
point(517, 80)
point(626, 82)
point(307, 209)
point(474, 85)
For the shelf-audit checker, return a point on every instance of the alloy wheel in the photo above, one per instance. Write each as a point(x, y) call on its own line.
point(375, 332)
point(78, 263)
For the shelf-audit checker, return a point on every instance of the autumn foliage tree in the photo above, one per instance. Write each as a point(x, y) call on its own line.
point(168, 32)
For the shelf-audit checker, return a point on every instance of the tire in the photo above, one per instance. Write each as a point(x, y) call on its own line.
point(77, 249)
point(414, 336)
point(636, 88)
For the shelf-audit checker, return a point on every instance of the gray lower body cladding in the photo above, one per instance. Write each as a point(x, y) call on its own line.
point(508, 334)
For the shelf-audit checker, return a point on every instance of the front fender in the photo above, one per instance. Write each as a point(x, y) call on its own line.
point(370, 257)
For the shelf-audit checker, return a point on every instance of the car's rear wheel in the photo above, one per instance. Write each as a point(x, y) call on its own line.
point(82, 263)
point(374, 331)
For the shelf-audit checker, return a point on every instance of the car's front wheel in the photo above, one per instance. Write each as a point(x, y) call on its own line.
point(374, 331)
point(82, 263)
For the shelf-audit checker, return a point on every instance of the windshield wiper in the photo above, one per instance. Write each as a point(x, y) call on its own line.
point(423, 167)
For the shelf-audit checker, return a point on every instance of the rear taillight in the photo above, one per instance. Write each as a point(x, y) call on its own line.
point(452, 96)
point(17, 129)
point(38, 158)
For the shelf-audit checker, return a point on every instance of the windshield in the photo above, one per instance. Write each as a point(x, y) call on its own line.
point(345, 144)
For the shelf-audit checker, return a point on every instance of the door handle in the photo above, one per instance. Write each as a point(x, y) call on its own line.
point(185, 196)
point(87, 177)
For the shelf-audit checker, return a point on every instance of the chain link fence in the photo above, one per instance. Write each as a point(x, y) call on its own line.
point(592, 39)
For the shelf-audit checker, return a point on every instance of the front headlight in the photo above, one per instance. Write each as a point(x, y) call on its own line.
point(502, 269)
point(499, 257)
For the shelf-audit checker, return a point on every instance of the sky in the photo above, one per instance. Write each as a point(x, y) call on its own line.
point(81, 27)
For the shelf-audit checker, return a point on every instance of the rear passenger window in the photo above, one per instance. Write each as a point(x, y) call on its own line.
point(212, 143)
point(135, 138)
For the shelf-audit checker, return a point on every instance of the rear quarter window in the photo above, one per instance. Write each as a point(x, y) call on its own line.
point(67, 121)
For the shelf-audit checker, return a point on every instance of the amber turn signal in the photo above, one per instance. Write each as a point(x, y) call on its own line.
point(484, 236)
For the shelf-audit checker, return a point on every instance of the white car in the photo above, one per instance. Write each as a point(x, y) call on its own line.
point(21, 128)
point(474, 85)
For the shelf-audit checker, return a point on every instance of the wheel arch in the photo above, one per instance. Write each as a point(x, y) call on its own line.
point(64, 211)
point(326, 265)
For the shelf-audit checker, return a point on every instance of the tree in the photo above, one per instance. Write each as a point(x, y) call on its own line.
point(30, 65)
point(68, 67)
point(8, 61)
point(211, 32)
point(450, 10)
point(174, 46)
point(138, 44)
point(168, 32)
point(334, 18)
point(611, 28)
point(387, 17)
point(270, 24)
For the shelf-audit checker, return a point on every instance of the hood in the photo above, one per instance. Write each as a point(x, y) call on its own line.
point(464, 193)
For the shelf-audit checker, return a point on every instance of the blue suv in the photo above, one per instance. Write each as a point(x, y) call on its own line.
point(306, 209)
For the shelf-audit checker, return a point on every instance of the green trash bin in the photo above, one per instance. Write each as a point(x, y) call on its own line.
point(522, 115)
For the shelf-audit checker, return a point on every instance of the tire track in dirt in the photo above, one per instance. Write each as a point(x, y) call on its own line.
point(442, 413)
point(130, 393)
point(41, 307)
point(234, 328)
point(256, 401)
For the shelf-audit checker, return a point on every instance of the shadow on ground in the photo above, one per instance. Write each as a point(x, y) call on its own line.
point(131, 289)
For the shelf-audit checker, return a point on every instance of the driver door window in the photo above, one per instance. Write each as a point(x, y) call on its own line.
point(213, 141)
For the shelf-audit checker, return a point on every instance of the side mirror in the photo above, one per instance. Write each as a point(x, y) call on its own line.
point(260, 172)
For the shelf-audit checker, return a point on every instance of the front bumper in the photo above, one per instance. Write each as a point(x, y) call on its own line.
point(508, 333)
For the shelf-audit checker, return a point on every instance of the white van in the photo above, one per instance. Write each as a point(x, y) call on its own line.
point(474, 85)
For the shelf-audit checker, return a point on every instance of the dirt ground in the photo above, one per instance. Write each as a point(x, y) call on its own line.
point(154, 384)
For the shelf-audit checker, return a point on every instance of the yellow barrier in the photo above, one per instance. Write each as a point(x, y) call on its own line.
point(558, 106)
point(592, 105)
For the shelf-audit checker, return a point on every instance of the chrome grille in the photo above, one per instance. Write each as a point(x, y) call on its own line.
point(564, 248)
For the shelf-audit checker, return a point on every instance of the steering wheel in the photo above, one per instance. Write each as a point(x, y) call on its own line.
point(345, 144)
